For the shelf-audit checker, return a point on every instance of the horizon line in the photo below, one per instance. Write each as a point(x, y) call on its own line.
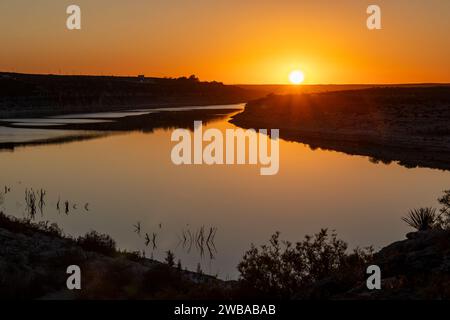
point(231, 84)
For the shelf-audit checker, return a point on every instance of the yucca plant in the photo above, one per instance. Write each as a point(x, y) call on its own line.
point(421, 219)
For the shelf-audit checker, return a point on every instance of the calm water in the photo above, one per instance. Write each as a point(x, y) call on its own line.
point(128, 178)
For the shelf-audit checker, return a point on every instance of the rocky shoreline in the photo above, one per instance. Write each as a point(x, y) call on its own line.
point(408, 125)
point(416, 268)
point(34, 259)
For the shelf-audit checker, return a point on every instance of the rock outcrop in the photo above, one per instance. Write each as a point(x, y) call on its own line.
point(415, 268)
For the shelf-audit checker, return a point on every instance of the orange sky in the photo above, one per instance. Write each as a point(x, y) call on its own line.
point(231, 41)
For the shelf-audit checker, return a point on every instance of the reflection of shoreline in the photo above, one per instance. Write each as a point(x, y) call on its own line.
point(408, 156)
point(146, 123)
point(408, 125)
point(57, 140)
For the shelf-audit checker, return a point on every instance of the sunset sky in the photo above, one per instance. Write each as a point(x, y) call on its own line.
point(232, 41)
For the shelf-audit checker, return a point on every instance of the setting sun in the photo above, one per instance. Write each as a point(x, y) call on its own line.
point(296, 77)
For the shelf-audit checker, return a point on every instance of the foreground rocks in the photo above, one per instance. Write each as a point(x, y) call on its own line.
point(415, 268)
point(34, 260)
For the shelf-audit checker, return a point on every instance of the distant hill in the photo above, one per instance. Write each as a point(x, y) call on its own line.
point(317, 88)
point(408, 124)
point(30, 94)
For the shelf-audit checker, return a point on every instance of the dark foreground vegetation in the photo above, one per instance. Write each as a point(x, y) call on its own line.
point(26, 95)
point(34, 258)
point(321, 268)
point(410, 125)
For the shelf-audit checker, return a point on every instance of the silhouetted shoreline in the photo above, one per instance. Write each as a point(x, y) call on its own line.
point(410, 125)
point(30, 95)
point(34, 258)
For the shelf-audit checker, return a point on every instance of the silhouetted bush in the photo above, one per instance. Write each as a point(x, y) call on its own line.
point(135, 256)
point(284, 270)
point(26, 226)
point(101, 243)
point(421, 219)
point(170, 258)
point(444, 218)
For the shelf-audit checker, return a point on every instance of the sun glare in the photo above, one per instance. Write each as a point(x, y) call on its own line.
point(296, 77)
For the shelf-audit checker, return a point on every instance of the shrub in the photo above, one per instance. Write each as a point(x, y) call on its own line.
point(445, 210)
point(421, 219)
point(26, 226)
point(284, 270)
point(170, 258)
point(101, 243)
point(135, 256)
point(445, 201)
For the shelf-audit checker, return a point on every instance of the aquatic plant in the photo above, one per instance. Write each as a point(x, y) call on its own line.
point(200, 240)
point(154, 240)
point(66, 207)
point(30, 201)
point(137, 228)
point(170, 258)
point(41, 204)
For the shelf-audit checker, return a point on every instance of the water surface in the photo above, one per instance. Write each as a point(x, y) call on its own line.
point(118, 181)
